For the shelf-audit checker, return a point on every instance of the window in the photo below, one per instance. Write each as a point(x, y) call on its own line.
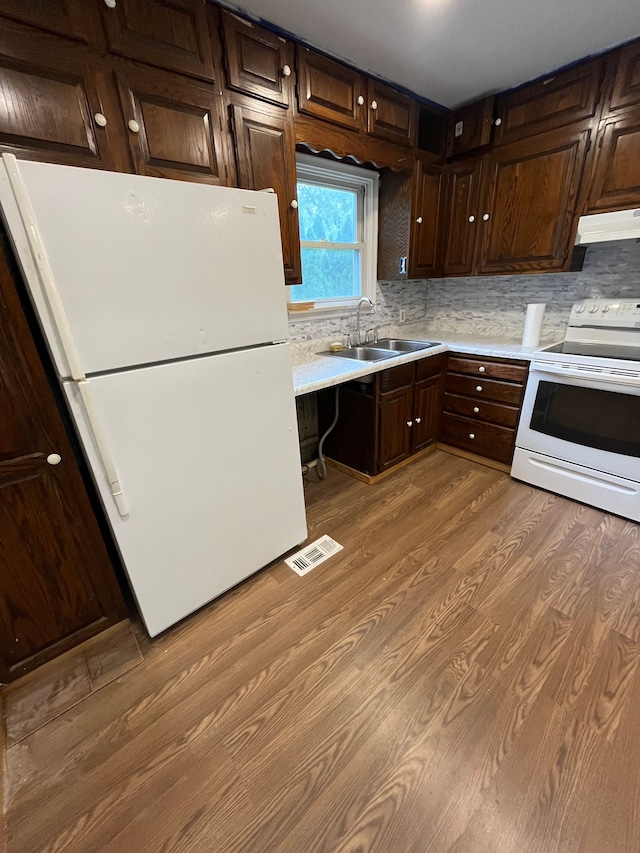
point(338, 213)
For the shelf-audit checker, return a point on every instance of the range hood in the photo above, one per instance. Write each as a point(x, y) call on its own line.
point(600, 227)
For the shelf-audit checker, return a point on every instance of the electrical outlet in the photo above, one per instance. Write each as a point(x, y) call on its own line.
point(402, 315)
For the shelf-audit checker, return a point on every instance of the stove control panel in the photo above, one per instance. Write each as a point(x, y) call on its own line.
point(607, 313)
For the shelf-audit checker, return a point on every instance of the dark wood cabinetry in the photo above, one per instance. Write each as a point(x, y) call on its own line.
point(174, 126)
point(330, 90)
point(265, 148)
point(616, 179)
point(626, 83)
point(57, 585)
point(481, 405)
point(386, 420)
point(391, 114)
point(259, 63)
point(470, 127)
point(171, 34)
point(462, 217)
point(73, 18)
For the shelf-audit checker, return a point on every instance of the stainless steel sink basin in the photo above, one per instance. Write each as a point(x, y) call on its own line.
point(365, 353)
point(397, 345)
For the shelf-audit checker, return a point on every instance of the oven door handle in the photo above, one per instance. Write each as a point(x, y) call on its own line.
point(630, 381)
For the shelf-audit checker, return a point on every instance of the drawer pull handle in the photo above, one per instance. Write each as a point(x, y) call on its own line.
point(472, 435)
point(478, 387)
point(418, 420)
point(481, 369)
point(476, 409)
point(409, 423)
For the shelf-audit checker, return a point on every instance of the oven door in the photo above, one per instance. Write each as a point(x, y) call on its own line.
point(588, 417)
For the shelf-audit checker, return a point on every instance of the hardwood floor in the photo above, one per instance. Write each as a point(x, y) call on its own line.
point(463, 678)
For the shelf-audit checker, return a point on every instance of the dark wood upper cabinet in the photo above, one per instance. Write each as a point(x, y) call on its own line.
point(463, 213)
point(265, 148)
point(565, 99)
point(616, 180)
point(392, 115)
point(171, 34)
point(330, 90)
point(57, 585)
point(626, 85)
point(54, 105)
point(174, 125)
point(470, 127)
point(72, 18)
point(258, 62)
point(425, 256)
point(529, 202)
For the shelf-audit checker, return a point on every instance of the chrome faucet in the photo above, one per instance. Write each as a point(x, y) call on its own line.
point(363, 301)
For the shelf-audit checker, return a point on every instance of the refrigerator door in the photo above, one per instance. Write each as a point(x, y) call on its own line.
point(208, 455)
point(146, 270)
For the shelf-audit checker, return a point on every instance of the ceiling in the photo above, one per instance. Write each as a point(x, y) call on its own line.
point(454, 51)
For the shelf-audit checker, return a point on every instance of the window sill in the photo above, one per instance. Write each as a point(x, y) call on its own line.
point(320, 312)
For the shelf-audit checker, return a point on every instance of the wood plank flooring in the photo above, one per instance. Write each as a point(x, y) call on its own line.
point(463, 678)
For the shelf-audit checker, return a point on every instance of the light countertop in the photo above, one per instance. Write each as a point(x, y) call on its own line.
point(312, 372)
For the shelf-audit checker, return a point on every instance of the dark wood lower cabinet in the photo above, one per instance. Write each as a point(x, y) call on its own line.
point(57, 583)
point(387, 418)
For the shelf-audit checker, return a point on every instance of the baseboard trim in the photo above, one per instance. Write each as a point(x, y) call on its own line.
point(372, 479)
point(472, 457)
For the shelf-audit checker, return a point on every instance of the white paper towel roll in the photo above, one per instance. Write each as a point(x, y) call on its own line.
point(533, 324)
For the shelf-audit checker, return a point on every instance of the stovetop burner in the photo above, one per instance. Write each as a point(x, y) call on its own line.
point(624, 353)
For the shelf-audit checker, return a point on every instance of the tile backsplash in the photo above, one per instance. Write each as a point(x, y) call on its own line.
point(492, 305)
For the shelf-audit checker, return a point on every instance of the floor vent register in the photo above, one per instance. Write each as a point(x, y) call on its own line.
point(312, 555)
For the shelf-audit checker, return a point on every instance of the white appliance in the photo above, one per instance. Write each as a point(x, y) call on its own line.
point(164, 307)
point(579, 431)
point(602, 227)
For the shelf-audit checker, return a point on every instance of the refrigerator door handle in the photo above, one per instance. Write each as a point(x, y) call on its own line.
point(106, 459)
point(45, 273)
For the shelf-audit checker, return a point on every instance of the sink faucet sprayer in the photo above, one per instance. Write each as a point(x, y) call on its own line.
point(364, 301)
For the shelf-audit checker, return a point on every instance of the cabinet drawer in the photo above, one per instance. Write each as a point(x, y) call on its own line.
point(481, 410)
point(432, 366)
point(490, 369)
point(484, 389)
point(490, 440)
point(396, 377)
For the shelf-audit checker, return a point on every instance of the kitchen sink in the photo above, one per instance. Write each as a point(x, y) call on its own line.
point(364, 353)
point(397, 345)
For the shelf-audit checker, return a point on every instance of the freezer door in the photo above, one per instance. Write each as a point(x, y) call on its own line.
point(208, 456)
point(147, 269)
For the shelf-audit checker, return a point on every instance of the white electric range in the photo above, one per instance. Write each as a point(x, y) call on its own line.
point(579, 432)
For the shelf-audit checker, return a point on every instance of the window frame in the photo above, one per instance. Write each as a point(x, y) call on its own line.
point(365, 182)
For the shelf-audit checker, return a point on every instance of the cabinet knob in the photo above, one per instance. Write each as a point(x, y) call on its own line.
point(100, 120)
point(472, 218)
point(419, 220)
point(498, 122)
point(481, 369)
point(472, 435)
point(478, 387)
point(111, 4)
point(476, 410)
point(485, 216)
point(54, 459)
point(360, 100)
point(418, 420)
point(294, 204)
point(374, 105)
point(286, 71)
point(409, 423)
point(134, 127)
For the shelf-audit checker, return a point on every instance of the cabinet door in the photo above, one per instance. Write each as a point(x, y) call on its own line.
point(530, 202)
point(329, 90)
point(426, 413)
point(616, 182)
point(259, 63)
point(391, 114)
point(174, 127)
point(462, 217)
point(395, 425)
point(426, 225)
point(49, 102)
point(57, 585)
point(265, 149)
point(171, 34)
point(626, 87)
point(69, 18)
point(470, 127)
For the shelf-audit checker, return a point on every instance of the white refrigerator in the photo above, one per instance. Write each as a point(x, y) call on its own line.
point(164, 307)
